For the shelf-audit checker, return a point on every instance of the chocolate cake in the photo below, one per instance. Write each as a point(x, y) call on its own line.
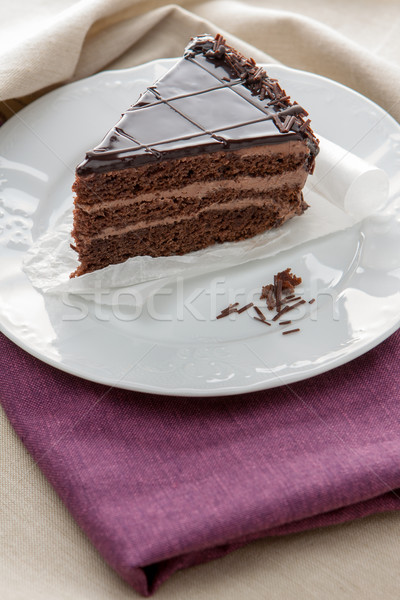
point(214, 151)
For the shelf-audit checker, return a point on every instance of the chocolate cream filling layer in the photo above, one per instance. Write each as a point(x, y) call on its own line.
point(228, 206)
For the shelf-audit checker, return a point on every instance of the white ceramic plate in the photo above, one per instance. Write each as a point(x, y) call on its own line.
point(175, 346)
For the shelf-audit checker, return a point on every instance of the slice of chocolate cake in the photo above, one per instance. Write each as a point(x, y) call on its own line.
point(214, 151)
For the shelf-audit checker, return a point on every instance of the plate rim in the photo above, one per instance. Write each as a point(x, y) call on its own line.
point(207, 393)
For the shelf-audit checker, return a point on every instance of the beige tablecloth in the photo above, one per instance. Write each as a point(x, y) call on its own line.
point(45, 43)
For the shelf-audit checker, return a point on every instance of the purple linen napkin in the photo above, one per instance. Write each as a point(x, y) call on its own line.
point(162, 483)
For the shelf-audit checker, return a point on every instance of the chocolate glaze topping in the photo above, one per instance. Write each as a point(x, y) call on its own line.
point(213, 99)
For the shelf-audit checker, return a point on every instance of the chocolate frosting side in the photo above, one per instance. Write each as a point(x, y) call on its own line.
point(213, 99)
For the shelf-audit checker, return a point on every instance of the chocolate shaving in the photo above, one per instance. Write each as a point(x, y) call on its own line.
point(269, 83)
point(289, 300)
point(284, 283)
point(290, 331)
point(287, 309)
point(278, 90)
point(249, 305)
point(287, 125)
point(228, 310)
point(259, 312)
point(267, 292)
point(226, 314)
point(284, 322)
point(279, 100)
point(230, 306)
point(260, 73)
point(262, 321)
point(311, 301)
point(289, 280)
point(278, 122)
point(278, 294)
point(305, 125)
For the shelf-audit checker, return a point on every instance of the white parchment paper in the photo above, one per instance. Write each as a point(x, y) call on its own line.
point(343, 190)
